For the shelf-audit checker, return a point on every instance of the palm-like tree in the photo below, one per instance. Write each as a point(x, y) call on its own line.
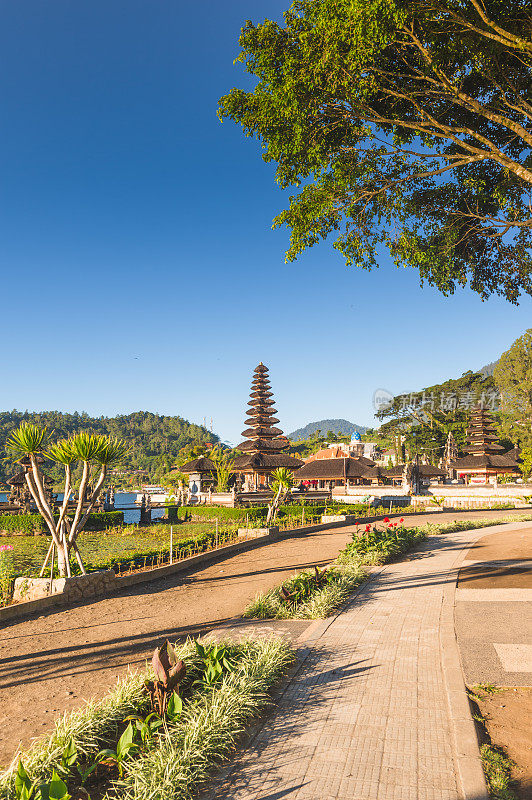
point(29, 444)
point(282, 482)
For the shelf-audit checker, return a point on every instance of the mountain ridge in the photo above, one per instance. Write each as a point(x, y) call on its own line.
point(325, 425)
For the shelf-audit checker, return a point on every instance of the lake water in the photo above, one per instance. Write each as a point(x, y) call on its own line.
point(122, 500)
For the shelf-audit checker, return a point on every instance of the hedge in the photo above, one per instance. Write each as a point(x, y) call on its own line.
point(256, 514)
point(24, 523)
point(30, 523)
point(259, 513)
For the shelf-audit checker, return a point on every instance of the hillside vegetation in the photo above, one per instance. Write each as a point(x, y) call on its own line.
point(156, 440)
point(340, 426)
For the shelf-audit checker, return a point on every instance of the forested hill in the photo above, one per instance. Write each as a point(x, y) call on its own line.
point(340, 426)
point(156, 440)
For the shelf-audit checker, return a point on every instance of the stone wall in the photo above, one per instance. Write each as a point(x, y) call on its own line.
point(72, 589)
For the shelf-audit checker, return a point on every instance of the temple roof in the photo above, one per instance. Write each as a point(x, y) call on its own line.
point(201, 464)
point(425, 471)
point(263, 403)
point(485, 461)
point(482, 447)
point(481, 436)
point(17, 479)
point(262, 420)
point(263, 445)
point(333, 469)
point(258, 461)
point(261, 432)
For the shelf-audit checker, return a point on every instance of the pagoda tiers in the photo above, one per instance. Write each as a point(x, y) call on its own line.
point(264, 444)
point(484, 461)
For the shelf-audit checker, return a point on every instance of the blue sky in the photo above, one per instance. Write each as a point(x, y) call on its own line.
point(139, 268)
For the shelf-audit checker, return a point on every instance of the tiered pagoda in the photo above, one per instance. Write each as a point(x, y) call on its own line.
point(264, 444)
point(484, 461)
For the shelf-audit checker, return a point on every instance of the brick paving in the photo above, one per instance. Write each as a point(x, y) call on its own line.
point(365, 716)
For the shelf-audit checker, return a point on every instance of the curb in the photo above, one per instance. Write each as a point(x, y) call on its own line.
point(465, 743)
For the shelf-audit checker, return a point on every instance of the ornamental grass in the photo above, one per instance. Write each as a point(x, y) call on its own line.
point(178, 760)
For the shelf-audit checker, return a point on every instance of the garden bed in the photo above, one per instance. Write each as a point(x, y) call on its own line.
point(171, 756)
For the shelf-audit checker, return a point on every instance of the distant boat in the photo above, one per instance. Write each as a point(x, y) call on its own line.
point(158, 494)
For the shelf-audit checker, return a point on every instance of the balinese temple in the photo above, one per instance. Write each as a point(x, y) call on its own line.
point(201, 473)
point(264, 444)
point(484, 461)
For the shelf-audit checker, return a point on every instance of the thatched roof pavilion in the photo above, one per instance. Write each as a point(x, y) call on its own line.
point(264, 444)
point(201, 466)
point(336, 471)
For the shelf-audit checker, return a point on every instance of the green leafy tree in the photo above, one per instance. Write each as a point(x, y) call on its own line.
point(513, 378)
point(420, 422)
point(407, 123)
point(30, 445)
point(223, 460)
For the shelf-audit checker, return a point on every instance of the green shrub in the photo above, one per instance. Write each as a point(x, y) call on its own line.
point(379, 545)
point(309, 599)
point(30, 523)
point(101, 520)
point(22, 523)
point(255, 514)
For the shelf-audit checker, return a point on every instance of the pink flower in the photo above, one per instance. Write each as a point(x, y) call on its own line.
point(6, 547)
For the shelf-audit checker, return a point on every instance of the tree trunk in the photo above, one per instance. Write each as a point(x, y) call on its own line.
point(62, 559)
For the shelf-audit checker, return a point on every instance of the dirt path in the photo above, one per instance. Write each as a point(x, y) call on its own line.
point(48, 665)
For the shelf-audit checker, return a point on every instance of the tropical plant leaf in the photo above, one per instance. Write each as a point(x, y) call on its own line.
point(28, 439)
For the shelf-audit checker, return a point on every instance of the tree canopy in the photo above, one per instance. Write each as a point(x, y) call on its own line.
point(419, 422)
point(513, 378)
point(406, 123)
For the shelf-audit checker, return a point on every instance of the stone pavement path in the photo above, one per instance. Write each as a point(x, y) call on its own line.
point(366, 716)
point(495, 582)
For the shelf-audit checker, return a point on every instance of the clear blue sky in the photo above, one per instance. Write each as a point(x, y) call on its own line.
point(139, 268)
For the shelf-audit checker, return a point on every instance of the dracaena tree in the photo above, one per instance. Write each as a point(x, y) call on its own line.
point(282, 482)
point(31, 445)
point(406, 123)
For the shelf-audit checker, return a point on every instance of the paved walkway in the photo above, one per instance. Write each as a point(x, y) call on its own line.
point(495, 582)
point(377, 711)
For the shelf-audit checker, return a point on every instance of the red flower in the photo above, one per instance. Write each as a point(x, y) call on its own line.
point(402, 519)
point(390, 525)
point(386, 519)
point(395, 524)
point(367, 528)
